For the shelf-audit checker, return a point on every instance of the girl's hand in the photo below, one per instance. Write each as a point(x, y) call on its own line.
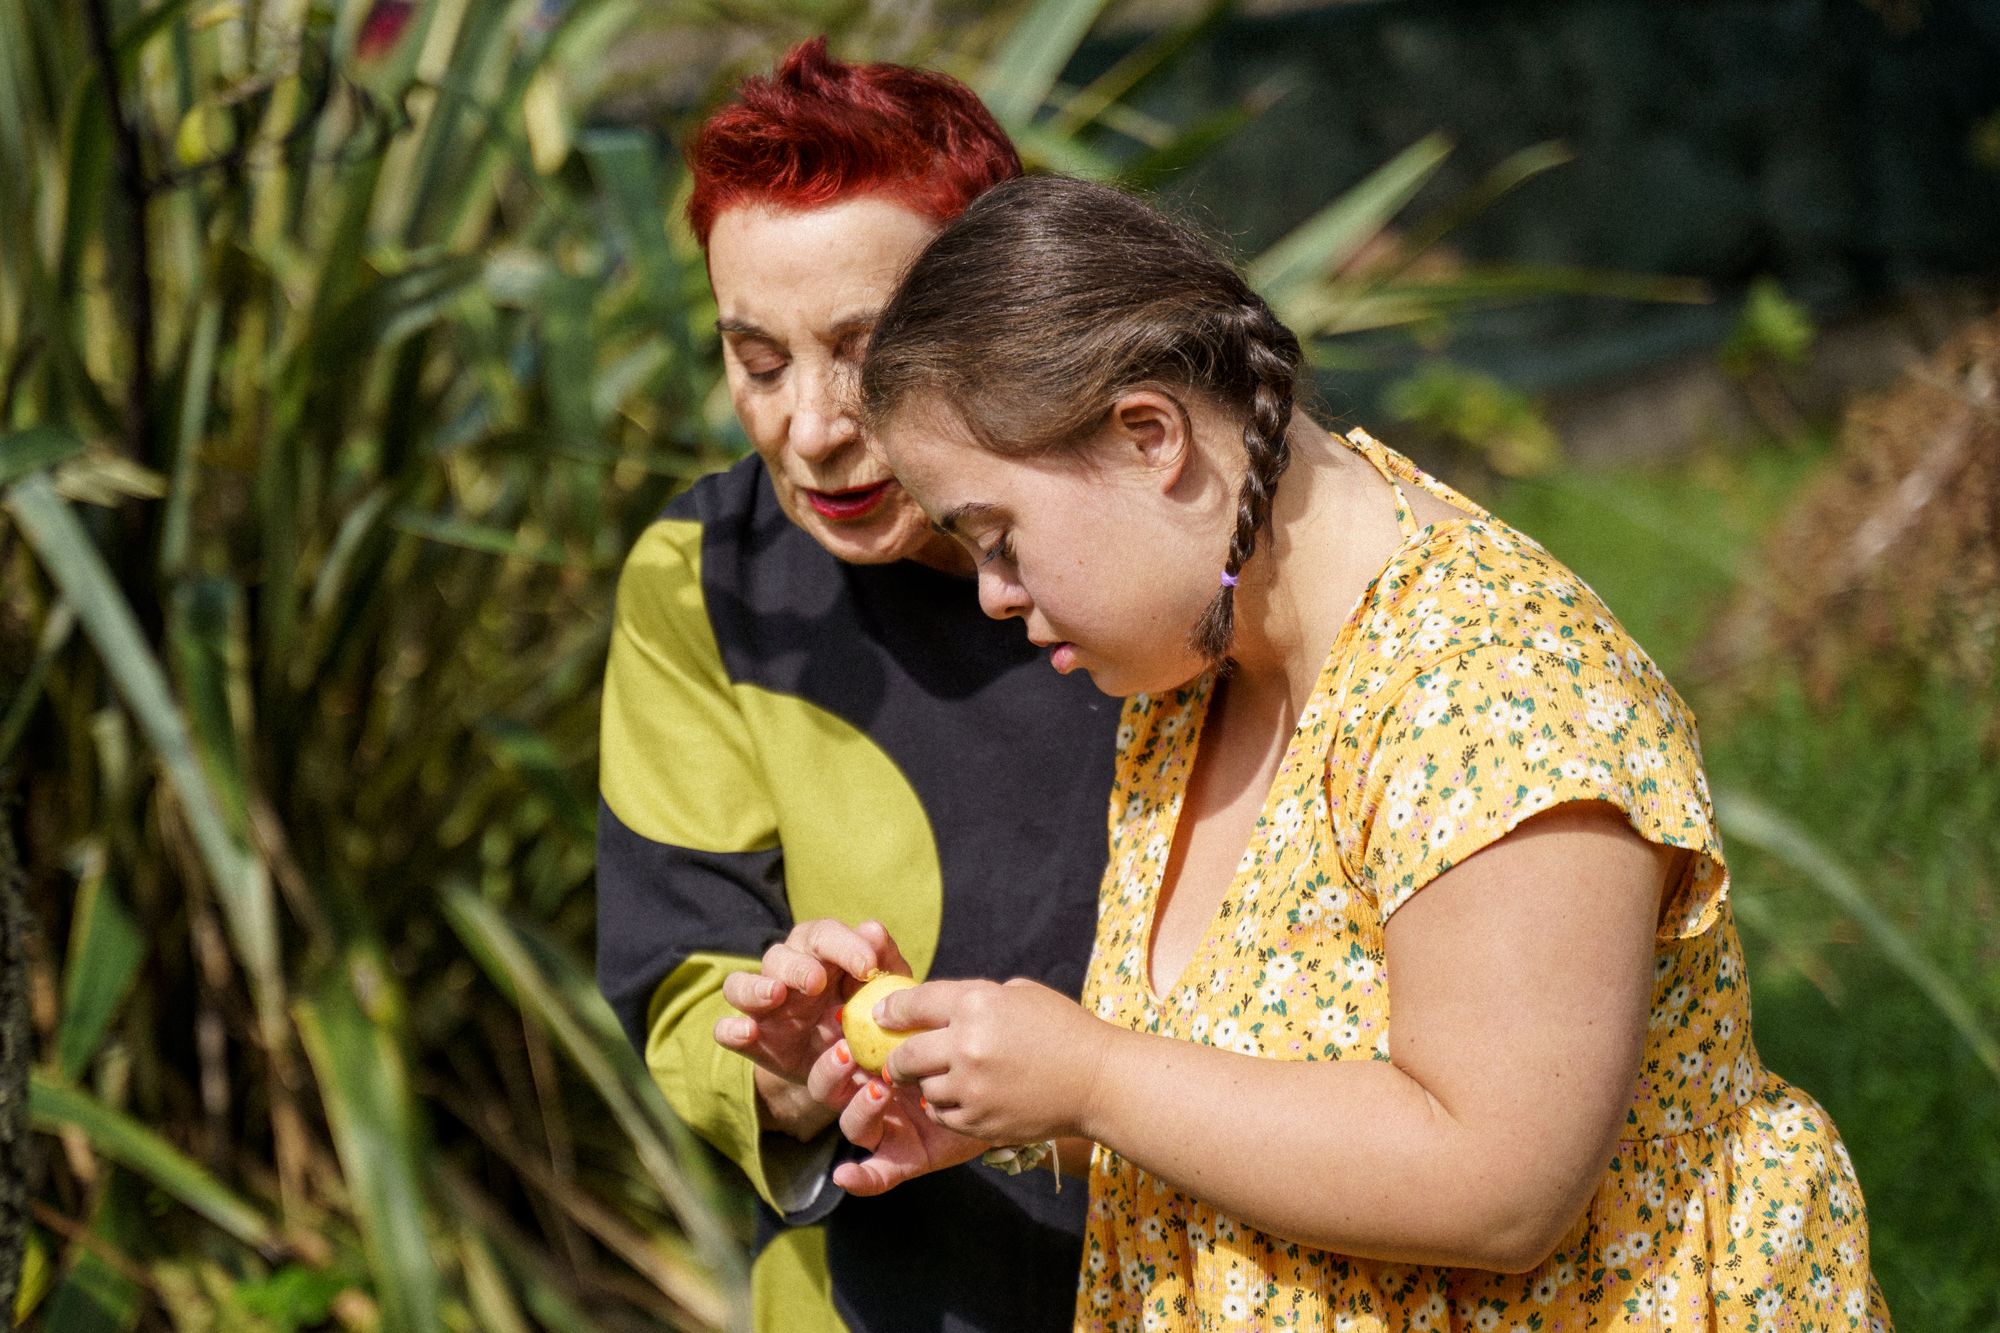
point(1013, 1063)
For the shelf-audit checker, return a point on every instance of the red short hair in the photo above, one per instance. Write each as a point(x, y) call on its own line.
point(817, 130)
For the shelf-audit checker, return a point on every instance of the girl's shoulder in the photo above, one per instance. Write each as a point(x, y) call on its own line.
point(1479, 583)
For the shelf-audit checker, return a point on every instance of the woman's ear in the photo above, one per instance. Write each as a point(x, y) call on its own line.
point(1151, 428)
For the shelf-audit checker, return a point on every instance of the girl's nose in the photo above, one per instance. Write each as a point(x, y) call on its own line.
point(1001, 598)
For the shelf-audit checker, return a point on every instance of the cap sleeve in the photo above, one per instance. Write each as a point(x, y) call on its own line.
point(1469, 748)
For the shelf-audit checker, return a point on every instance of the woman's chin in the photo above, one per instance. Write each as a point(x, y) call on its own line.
point(879, 539)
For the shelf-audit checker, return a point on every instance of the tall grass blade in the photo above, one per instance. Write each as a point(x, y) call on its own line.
point(1746, 819)
point(1019, 75)
point(79, 572)
point(1131, 70)
point(363, 1084)
point(566, 1002)
point(105, 950)
point(55, 1105)
point(1337, 232)
point(35, 449)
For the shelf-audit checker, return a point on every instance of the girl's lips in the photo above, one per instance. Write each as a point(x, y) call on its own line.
point(1063, 657)
point(844, 506)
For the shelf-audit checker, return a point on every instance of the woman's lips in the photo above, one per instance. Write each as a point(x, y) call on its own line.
point(844, 506)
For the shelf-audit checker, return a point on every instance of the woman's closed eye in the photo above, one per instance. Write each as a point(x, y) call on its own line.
point(1002, 549)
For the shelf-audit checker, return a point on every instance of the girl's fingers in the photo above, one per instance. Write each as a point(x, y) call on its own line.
point(753, 993)
point(921, 1055)
point(929, 1005)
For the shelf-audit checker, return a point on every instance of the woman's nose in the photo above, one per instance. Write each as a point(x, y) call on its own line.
point(823, 418)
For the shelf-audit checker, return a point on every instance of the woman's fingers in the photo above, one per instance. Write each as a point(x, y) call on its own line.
point(754, 993)
point(833, 1079)
point(836, 944)
point(888, 957)
point(865, 1119)
point(869, 1176)
point(736, 1032)
point(794, 968)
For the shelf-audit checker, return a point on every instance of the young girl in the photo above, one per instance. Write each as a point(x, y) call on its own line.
point(1416, 999)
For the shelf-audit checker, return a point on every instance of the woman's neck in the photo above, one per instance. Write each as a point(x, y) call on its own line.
point(1332, 528)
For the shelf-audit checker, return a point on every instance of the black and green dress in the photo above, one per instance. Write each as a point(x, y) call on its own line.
point(787, 737)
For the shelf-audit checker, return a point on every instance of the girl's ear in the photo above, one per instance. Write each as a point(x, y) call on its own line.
point(1152, 429)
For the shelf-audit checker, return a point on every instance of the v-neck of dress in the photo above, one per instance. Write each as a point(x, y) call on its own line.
point(1182, 769)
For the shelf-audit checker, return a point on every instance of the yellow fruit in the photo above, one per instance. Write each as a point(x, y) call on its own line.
point(869, 1041)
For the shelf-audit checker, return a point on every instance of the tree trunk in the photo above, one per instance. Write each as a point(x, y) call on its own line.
point(14, 1052)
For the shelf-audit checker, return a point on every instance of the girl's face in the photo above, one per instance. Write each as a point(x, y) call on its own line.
point(1108, 556)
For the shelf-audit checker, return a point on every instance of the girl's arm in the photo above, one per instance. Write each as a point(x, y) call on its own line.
point(1520, 984)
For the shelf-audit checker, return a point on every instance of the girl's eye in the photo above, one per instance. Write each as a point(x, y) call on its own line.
point(1000, 550)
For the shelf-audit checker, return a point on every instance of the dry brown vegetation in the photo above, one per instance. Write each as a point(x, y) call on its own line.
point(1888, 567)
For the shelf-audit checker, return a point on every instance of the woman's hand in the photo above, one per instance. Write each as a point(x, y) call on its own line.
point(788, 1012)
point(902, 1138)
point(1013, 1063)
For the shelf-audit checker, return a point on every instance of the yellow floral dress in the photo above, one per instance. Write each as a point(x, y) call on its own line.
point(1476, 682)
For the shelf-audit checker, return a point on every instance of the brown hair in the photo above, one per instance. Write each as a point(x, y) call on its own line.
point(1049, 298)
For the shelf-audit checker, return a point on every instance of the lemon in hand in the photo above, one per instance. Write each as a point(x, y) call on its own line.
point(869, 1041)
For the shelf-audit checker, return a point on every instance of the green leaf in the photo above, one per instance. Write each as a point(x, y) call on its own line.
point(1337, 232)
point(76, 568)
point(1110, 88)
point(1746, 819)
point(53, 1105)
point(36, 449)
point(95, 1298)
point(105, 950)
point(1018, 76)
point(363, 1083)
point(55, 634)
point(566, 1002)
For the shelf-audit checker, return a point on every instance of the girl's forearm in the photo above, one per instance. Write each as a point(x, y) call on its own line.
point(1351, 1156)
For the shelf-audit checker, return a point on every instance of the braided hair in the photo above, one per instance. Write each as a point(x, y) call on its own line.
point(1048, 299)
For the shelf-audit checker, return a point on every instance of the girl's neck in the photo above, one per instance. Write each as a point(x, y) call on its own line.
point(1333, 527)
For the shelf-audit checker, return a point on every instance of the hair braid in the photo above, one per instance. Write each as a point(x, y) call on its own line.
point(1270, 358)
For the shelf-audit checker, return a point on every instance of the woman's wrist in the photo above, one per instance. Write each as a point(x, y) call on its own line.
point(787, 1108)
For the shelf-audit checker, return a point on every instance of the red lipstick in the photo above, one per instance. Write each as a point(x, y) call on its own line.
point(846, 506)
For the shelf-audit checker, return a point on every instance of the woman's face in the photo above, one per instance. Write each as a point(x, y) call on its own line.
point(1108, 556)
point(797, 294)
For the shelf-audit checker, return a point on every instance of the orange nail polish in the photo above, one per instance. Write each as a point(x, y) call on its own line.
point(840, 1053)
point(876, 1092)
point(840, 1014)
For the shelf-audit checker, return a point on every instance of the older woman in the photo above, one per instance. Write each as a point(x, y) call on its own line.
point(808, 722)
